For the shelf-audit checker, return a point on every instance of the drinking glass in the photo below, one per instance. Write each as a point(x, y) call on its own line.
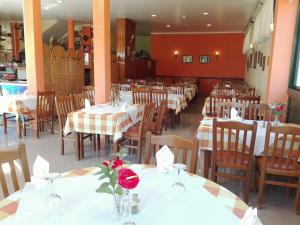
point(178, 187)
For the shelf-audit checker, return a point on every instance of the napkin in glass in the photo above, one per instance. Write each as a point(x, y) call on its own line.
point(250, 217)
point(165, 159)
point(234, 115)
point(87, 104)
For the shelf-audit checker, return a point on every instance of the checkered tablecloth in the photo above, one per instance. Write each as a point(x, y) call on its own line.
point(17, 104)
point(114, 124)
point(175, 102)
point(8, 206)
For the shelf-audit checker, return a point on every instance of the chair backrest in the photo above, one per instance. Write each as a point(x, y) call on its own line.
point(247, 92)
point(64, 106)
point(141, 97)
point(79, 101)
point(179, 146)
point(125, 87)
point(176, 89)
point(232, 136)
point(284, 148)
point(115, 86)
point(215, 103)
point(89, 92)
point(247, 100)
point(259, 112)
point(147, 119)
point(225, 109)
point(159, 120)
point(158, 88)
point(158, 96)
point(9, 156)
point(44, 103)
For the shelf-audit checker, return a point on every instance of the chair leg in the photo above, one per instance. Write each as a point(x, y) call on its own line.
point(261, 189)
point(4, 123)
point(213, 172)
point(81, 141)
point(98, 142)
point(94, 137)
point(247, 184)
point(52, 125)
point(297, 199)
point(139, 153)
point(38, 127)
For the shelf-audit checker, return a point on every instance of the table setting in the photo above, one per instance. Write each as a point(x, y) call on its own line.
point(117, 192)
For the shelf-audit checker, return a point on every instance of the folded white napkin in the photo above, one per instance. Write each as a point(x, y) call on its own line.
point(165, 159)
point(87, 104)
point(234, 114)
point(40, 172)
point(123, 107)
point(250, 217)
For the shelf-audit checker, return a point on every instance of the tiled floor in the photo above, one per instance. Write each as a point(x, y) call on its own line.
point(278, 202)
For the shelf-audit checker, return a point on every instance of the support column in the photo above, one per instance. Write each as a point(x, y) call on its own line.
point(15, 42)
point(33, 45)
point(71, 35)
point(282, 50)
point(102, 52)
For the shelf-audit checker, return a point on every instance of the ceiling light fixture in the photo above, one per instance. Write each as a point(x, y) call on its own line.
point(153, 15)
point(208, 25)
point(59, 1)
point(205, 13)
point(183, 17)
point(168, 25)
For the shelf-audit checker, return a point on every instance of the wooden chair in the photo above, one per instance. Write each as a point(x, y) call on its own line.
point(141, 97)
point(137, 133)
point(9, 156)
point(125, 87)
point(64, 106)
point(159, 118)
point(231, 151)
point(176, 144)
point(225, 109)
point(158, 88)
point(281, 159)
point(259, 112)
point(247, 100)
point(79, 101)
point(89, 93)
point(214, 103)
point(178, 90)
point(44, 112)
point(158, 96)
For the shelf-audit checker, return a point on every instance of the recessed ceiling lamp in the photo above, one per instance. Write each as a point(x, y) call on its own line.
point(183, 17)
point(208, 25)
point(153, 15)
point(205, 13)
point(168, 25)
point(59, 1)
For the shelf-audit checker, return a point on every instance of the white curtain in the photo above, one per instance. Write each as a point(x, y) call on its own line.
point(262, 26)
point(247, 40)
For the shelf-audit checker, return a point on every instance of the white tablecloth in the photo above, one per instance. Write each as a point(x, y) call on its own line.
point(17, 103)
point(81, 205)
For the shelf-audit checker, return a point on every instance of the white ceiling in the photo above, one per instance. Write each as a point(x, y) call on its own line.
point(224, 15)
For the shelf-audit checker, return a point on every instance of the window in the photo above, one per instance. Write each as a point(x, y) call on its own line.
point(295, 70)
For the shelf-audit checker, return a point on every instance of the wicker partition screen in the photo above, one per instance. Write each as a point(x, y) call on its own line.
point(80, 71)
point(71, 70)
point(58, 69)
point(47, 68)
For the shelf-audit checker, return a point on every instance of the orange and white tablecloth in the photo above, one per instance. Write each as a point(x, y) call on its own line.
point(103, 119)
point(175, 102)
point(217, 194)
point(17, 104)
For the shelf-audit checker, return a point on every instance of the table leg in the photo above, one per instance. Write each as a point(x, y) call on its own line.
point(4, 123)
point(81, 143)
point(98, 142)
point(116, 147)
point(77, 145)
point(19, 129)
point(207, 159)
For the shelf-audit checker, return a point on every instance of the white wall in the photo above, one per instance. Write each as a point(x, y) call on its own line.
point(256, 77)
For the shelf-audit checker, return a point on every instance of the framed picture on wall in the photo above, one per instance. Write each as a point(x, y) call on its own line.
point(204, 59)
point(187, 59)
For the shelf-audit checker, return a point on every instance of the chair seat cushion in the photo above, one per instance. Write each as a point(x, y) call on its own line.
point(133, 132)
point(285, 169)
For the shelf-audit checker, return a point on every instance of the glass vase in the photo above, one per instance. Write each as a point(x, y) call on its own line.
point(276, 121)
point(117, 207)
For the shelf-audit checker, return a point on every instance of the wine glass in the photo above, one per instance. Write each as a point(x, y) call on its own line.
point(53, 200)
point(178, 187)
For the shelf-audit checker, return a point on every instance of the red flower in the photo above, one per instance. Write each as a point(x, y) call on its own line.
point(116, 164)
point(128, 179)
point(280, 108)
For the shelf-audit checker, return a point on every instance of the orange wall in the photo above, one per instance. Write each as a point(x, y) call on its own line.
point(230, 63)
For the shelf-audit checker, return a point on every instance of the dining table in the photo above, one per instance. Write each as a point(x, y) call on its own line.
point(176, 102)
point(17, 105)
point(202, 202)
point(205, 137)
